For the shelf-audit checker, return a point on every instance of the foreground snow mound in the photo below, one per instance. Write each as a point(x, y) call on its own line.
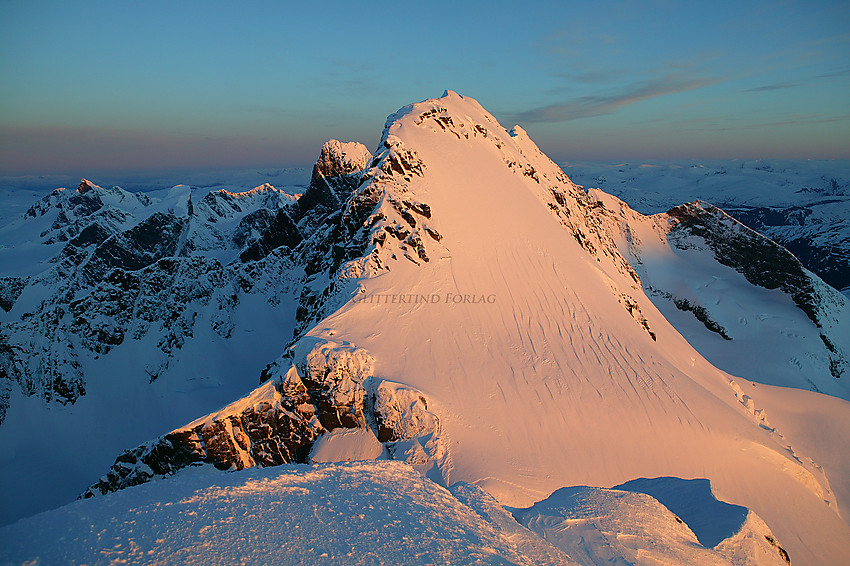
point(357, 513)
point(692, 501)
point(734, 531)
point(609, 526)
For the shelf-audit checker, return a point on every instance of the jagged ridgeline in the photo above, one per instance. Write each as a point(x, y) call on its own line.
point(251, 317)
point(133, 271)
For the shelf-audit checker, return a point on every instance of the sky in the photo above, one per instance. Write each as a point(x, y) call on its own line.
point(117, 86)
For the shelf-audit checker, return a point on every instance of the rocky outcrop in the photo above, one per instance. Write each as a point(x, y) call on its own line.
point(319, 386)
point(335, 176)
point(10, 290)
point(152, 239)
point(377, 222)
point(275, 425)
point(334, 376)
point(280, 231)
point(410, 430)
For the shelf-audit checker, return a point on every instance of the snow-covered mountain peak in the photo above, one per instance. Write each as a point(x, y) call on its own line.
point(86, 185)
point(453, 301)
point(341, 158)
point(263, 189)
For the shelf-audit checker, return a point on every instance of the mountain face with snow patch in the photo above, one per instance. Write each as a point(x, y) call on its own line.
point(802, 205)
point(455, 302)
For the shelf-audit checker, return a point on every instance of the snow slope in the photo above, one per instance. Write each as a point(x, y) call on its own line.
point(555, 382)
point(359, 513)
point(802, 204)
point(701, 284)
point(364, 512)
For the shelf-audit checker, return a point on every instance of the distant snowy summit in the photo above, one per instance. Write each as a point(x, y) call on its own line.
point(617, 346)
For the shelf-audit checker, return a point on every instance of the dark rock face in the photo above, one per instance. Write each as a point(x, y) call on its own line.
point(760, 260)
point(275, 430)
point(93, 234)
point(150, 240)
point(823, 250)
point(324, 193)
point(10, 290)
point(335, 176)
point(281, 231)
point(256, 222)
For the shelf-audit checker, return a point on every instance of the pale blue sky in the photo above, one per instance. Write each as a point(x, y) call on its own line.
point(111, 86)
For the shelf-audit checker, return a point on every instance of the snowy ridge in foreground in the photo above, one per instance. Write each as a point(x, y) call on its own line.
point(365, 513)
point(358, 513)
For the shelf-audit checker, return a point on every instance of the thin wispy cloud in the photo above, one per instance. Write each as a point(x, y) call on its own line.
point(774, 86)
point(841, 73)
point(797, 120)
point(598, 105)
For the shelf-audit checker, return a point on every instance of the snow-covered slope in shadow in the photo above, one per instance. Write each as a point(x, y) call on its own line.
point(692, 501)
point(612, 526)
point(743, 301)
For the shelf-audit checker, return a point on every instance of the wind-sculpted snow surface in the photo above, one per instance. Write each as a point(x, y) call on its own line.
point(357, 513)
point(610, 526)
point(366, 513)
point(469, 309)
